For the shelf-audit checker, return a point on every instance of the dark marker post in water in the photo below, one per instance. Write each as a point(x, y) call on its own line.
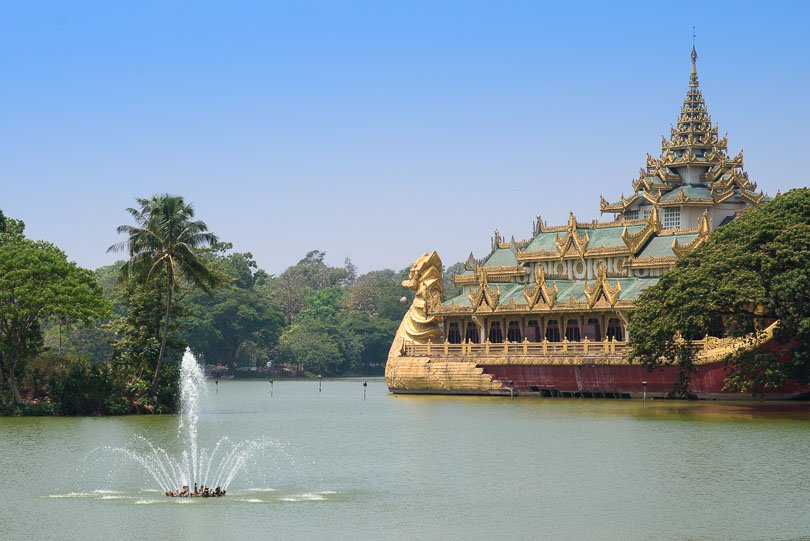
point(216, 385)
point(365, 386)
point(271, 387)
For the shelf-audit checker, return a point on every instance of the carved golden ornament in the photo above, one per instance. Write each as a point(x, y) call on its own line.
point(540, 293)
point(571, 238)
point(688, 156)
point(471, 264)
point(602, 289)
point(752, 198)
point(704, 229)
point(425, 279)
point(651, 197)
point(649, 262)
point(635, 241)
point(484, 295)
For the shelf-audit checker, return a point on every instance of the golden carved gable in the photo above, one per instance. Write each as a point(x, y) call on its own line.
point(602, 292)
point(704, 228)
point(484, 295)
point(540, 293)
point(572, 238)
point(636, 241)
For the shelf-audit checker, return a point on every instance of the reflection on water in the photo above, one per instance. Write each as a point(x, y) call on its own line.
point(402, 467)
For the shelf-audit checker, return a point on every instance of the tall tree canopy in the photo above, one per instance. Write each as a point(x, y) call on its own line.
point(750, 272)
point(164, 246)
point(37, 282)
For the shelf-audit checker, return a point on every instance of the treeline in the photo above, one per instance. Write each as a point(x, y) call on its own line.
point(78, 342)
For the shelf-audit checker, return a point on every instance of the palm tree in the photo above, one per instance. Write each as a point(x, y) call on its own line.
point(164, 243)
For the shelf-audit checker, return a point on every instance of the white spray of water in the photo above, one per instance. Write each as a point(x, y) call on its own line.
point(214, 467)
point(192, 384)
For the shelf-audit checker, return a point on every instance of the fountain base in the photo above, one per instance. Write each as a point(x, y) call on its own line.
point(202, 492)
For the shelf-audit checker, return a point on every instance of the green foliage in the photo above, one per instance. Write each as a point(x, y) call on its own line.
point(292, 288)
point(325, 320)
point(450, 289)
point(377, 294)
point(232, 325)
point(751, 272)
point(37, 282)
point(164, 246)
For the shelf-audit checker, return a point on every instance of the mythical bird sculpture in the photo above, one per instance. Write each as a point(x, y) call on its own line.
point(425, 279)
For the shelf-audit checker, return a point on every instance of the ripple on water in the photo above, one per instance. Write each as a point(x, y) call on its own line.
point(305, 497)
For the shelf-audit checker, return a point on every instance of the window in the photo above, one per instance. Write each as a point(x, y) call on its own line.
point(645, 213)
point(513, 332)
point(572, 330)
point(631, 215)
point(614, 330)
point(672, 217)
point(592, 330)
point(472, 333)
point(495, 333)
point(533, 331)
point(453, 334)
point(553, 331)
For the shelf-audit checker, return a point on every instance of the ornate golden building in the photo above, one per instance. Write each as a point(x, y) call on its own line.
point(562, 297)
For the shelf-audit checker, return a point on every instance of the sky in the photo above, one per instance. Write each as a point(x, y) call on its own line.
point(375, 130)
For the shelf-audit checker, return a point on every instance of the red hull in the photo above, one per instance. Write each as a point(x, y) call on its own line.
point(622, 381)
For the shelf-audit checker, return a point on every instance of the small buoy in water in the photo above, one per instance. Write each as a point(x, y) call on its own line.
point(403, 300)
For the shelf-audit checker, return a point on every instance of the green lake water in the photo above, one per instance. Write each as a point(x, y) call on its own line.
point(408, 467)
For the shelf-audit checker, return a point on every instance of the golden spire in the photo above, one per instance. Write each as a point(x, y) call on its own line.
point(693, 78)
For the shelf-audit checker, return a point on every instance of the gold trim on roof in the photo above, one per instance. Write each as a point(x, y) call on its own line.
point(609, 293)
point(540, 293)
point(635, 241)
point(484, 295)
point(571, 238)
point(704, 229)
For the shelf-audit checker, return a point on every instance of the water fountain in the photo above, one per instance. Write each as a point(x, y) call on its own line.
point(195, 467)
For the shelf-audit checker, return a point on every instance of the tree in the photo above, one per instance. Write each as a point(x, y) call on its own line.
point(450, 289)
point(750, 273)
point(163, 246)
point(234, 320)
point(377, 294)
point(292, 288)
point(37, 282)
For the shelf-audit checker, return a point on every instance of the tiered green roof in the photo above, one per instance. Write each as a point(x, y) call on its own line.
point(693, 167)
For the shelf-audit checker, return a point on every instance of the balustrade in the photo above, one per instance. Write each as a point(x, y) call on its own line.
point(545, 348)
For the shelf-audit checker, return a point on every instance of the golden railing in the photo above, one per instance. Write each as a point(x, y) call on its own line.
point(585, 347)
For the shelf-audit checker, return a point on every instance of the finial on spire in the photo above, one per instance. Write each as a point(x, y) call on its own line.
point(693, 80)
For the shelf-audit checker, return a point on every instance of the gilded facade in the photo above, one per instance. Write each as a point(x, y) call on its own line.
point(563, 295)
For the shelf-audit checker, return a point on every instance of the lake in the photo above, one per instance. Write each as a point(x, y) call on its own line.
point(405, 467)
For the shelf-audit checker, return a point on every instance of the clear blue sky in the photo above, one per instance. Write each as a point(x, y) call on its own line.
point(375, 130)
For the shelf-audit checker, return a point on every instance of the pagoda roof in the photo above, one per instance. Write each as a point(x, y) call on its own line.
point(501, 257)
point(611, 237)
point(593, 237)
point(661, 246)
point(688, 192)
point(571, 294)
point(693, 143)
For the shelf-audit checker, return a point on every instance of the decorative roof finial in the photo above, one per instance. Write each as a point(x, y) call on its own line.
point(693, 79)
